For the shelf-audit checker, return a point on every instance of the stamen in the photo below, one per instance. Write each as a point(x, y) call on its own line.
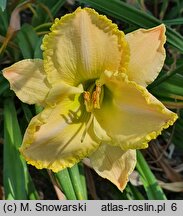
point(87, 127)
point(93, 98)
point(87, 101)
point(96, 97)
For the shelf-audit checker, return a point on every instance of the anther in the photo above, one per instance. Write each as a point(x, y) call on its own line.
point(96, 97)
point(87, 101)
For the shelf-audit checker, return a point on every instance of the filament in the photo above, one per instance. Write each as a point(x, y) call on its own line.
point(87, 127)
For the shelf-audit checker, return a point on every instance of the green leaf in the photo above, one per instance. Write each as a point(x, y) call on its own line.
point(177, 138)
point(4, 22)
point(177, 21)
point(79, 188)
point(72, 183)
point(172, 88)
point(64, 181)
point(38, 52)
point(83, 179)
point(32, 192)
point(133, 193)
point(163, 9)
point(17, 182)
point(56, 6)
point(45, 9)
point(153, 190)
point(125, 12)
point(27, 41)
point(27, 112)
point(4, 84)
point(3, 4)
point(166, 76)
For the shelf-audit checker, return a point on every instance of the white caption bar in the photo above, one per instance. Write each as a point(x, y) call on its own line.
point(92, 207)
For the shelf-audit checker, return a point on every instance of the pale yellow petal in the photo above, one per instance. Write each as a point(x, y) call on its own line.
point(54, 138)
point(100, 132)
point(81, 46)
point(28, 80)
point(61, 90)
point(114, 164)
point(147, 54)
point(129, 114)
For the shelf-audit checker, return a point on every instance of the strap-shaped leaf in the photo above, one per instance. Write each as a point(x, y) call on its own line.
point(3, 4)
point(153, 190)
point(17, 181)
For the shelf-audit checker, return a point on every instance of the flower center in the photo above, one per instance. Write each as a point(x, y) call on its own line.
point(93, 96)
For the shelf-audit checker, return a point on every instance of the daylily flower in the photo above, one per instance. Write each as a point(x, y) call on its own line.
point(92, 84)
